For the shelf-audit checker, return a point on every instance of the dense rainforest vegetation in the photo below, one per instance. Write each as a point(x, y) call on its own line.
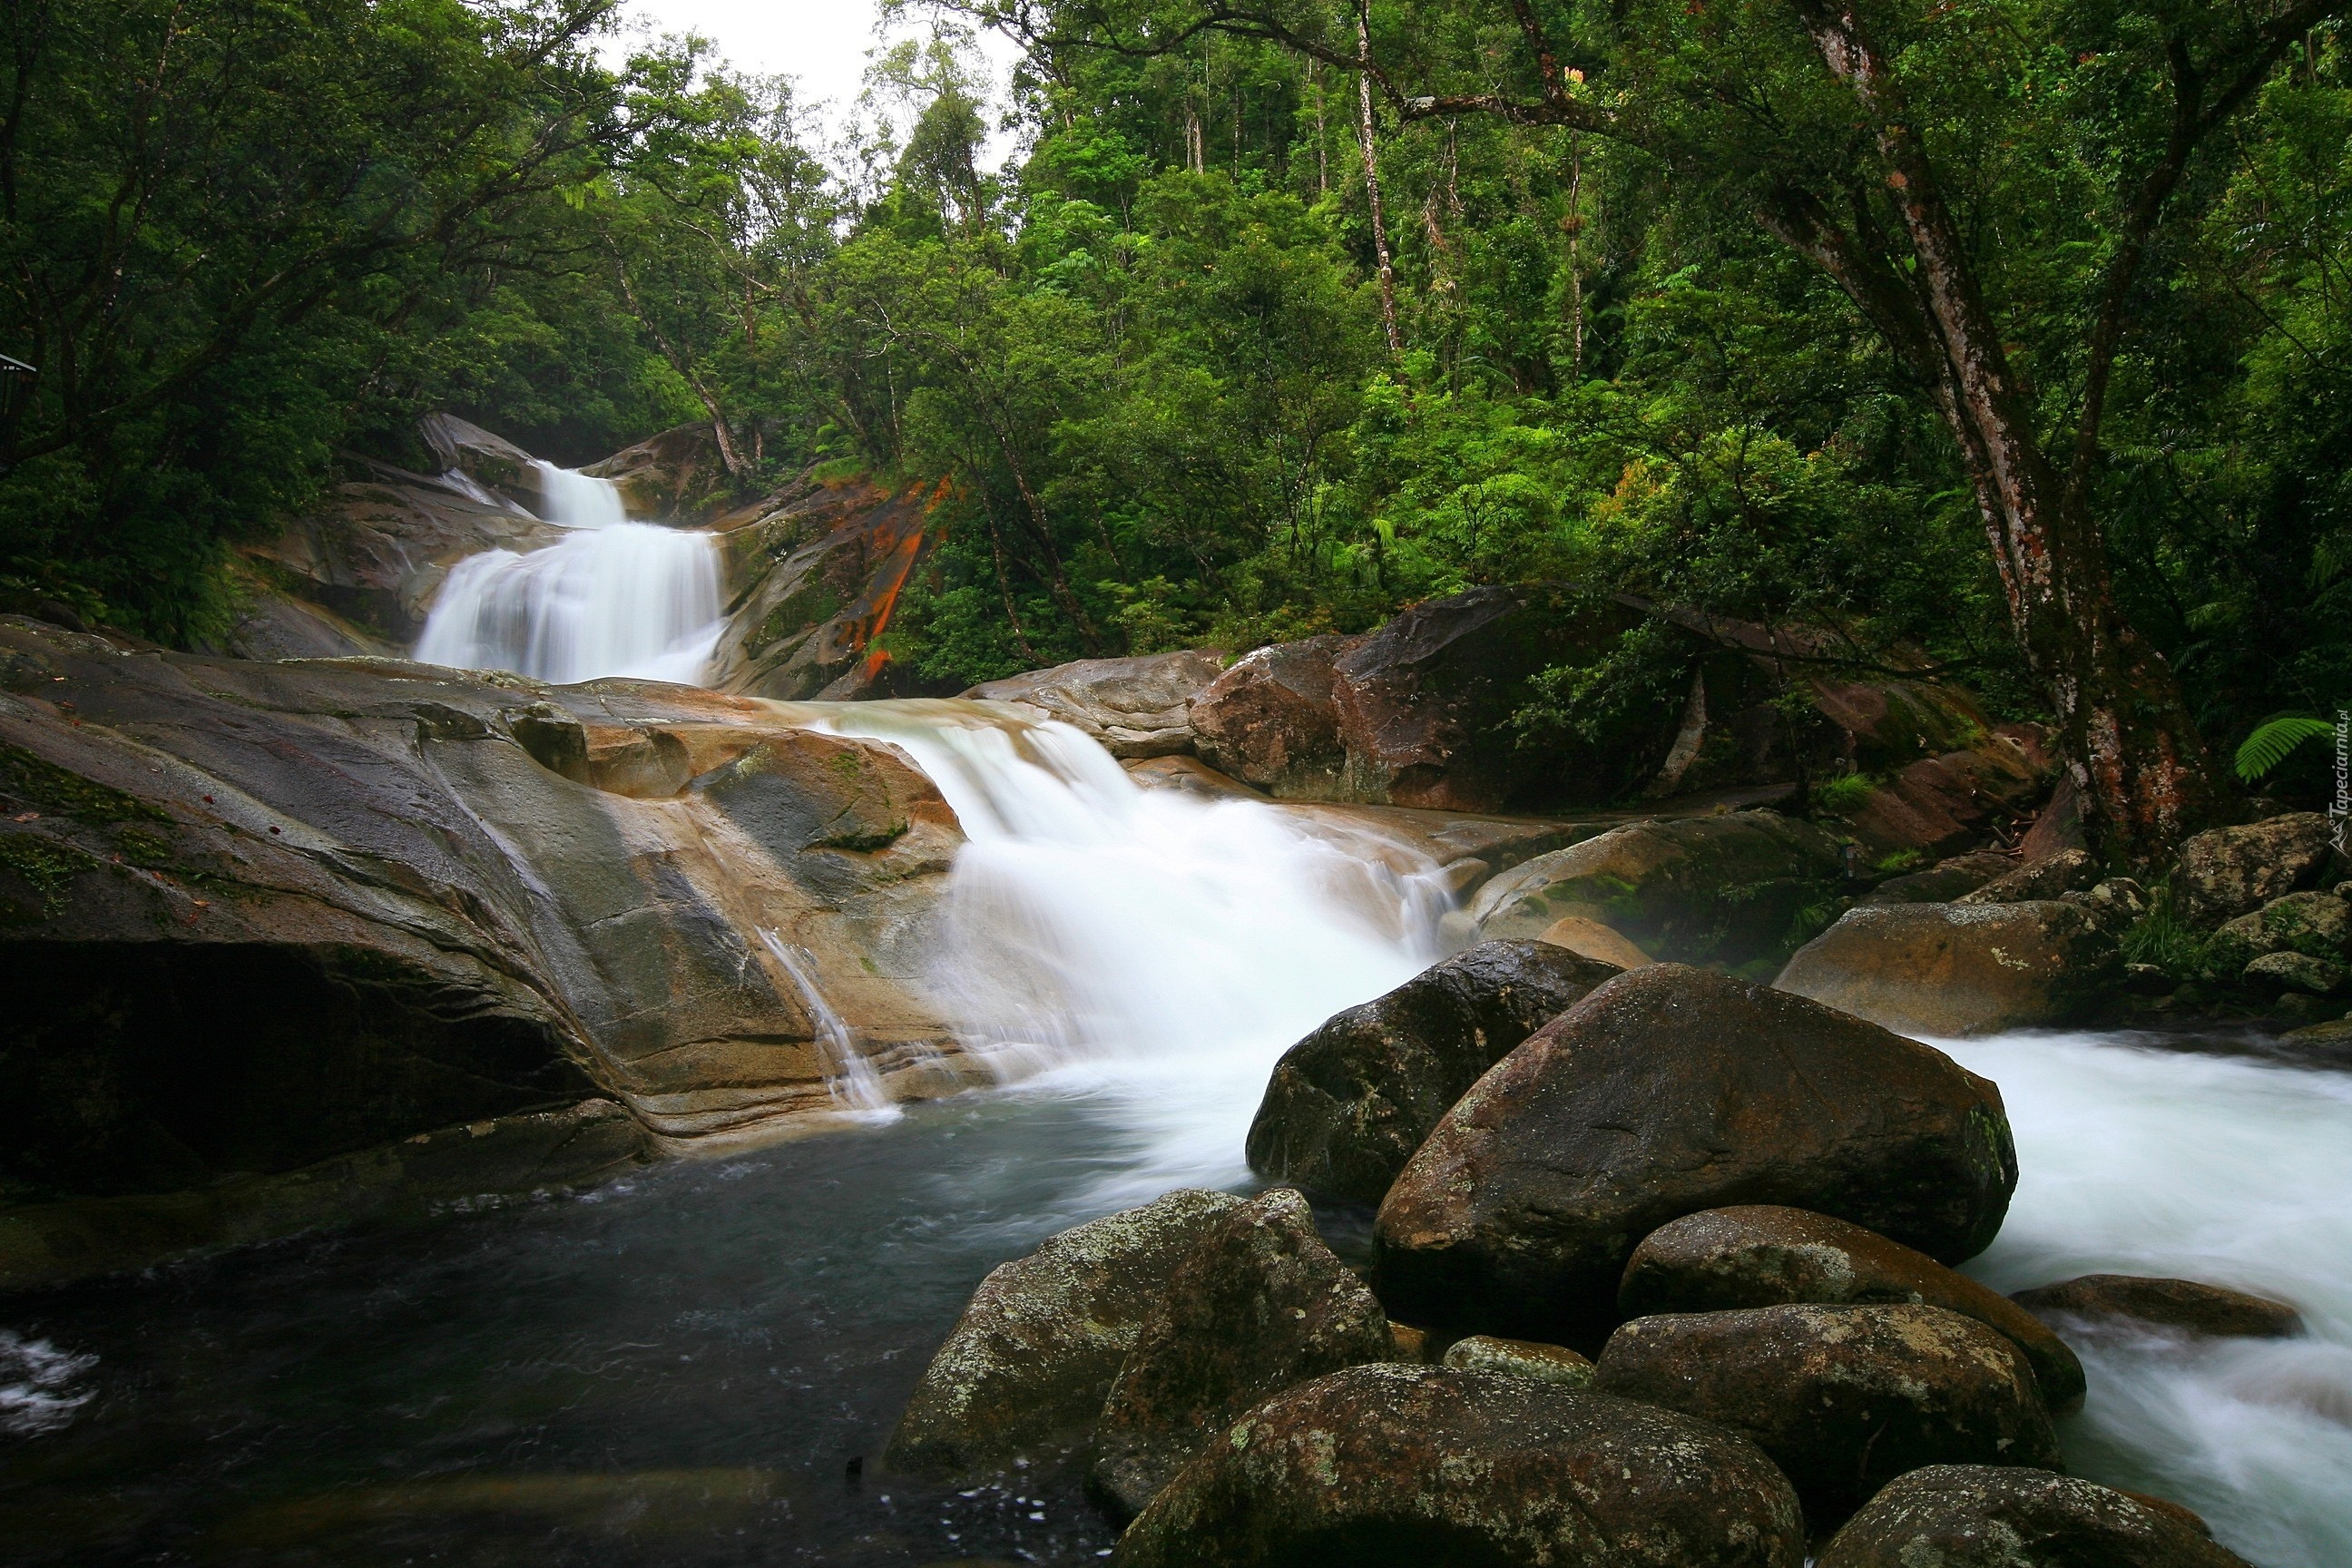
point(2012, 335)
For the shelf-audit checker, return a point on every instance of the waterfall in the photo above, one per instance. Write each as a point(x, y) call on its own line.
point(1153, 951)
point(611, 597)
point(855, 1085)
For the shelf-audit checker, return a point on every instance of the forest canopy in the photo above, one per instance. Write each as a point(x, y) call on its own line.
point(1277, 320)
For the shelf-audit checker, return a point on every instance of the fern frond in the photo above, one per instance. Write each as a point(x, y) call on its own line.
point(2274, 739)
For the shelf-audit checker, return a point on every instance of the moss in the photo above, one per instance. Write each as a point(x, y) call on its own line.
point(54, 789)
point(44, 865)
point(867, 841)
point(1895, 862)
point(143, 848)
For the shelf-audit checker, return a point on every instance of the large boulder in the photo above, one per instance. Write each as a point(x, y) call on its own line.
point(255, 916)
point(1521, 1358)
point(1258, 1304)
point(1666, 1091)
point(1942, 804)
point(2316, 925)
point(1721, 889)
point(2051, 876)
point(1760, 1254)
point(1984, 1516)
point(1398, 1467)
point(1943, 881)
point(2200, 1309)
point(2232, 871)
point(1347, 1105)
point(1026, 1368)
point(1843, 1399)
point(1953, 969)
point(677, 475)
point(1139, 707)
point(1271, 721)
point(490, 461)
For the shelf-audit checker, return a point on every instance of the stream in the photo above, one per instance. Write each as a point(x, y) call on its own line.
point(700, 1364)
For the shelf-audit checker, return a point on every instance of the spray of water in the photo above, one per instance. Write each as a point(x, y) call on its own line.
point(613, 597)
point(2138, 1160)
point(1152, 952)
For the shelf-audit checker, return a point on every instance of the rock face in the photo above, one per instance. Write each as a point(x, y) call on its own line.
point(1271, 721)
point(1133, 707)
point(2235, 870)
point(1519, 1358)
point(260, 916)
point(1720, 890)
point(814, 576)
point(1026, 1368)
point(1940, 805)
point(2067, 871)
point(1981, 1516)
point(1395, 1466)
point(1668, 1092)
point(1943, 881)
point(2317, 925)
point(2170, 1303)
point(1258, 1305)
point(1347, 1105)
point(1763, 1255)
point(492, 461)
point(1843, 1399)
point(1959, 969)
point(676, 476)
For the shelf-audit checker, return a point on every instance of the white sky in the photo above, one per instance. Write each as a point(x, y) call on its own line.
point(822, 42)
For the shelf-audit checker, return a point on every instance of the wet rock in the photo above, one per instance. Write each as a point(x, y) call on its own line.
point(1137, 707)
point(2211, 1310)
point(1591, 939)
point(2276, 971)
point(2067, 871)
point(492, 461)
point(1271, 722)
point(1982, 1516)
point(1666, 1091)
point(1027, 1366)
point(1393, 1467)
point(1519, 1358)
point(1347, 1105)
point(2231, 871)
point(1959, 969)
point(677, 476)
point(1763, 1255)
point(1943, 881)
point(1843, 1399)
point(1258, 1304)
point(1721, 889)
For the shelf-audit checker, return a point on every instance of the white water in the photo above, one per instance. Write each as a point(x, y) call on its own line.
point(1150, 950)
point(611, 598)
point(39, 1388)
point(850, 1077)
point(2137, 1161)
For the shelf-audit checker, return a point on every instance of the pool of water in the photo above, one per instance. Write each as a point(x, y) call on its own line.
point(701, 1366)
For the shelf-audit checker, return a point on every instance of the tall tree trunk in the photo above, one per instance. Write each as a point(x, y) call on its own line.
point(1373, 177)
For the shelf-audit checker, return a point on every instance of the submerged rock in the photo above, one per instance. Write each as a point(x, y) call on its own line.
point(2233, 871)
point(1139, 707)
point(1258, 1304)
point(2211, 1310)
point(1763, 1255)
point(1666, 1091)
point(1347, 1105)
point(1954, 970)
point(1027, 1366)
point(1721, 889)
point(1981, 1516)
point(1519, 1358)
point(1843, 1399)
point(1395, 1466)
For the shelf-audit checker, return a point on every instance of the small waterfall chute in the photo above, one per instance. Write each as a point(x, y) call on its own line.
point(849, 1077)
point(611, 598)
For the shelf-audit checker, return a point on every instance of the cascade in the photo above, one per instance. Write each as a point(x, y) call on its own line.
point(611, 597)
point(1150, 950)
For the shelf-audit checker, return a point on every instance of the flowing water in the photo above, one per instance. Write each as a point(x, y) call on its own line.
point(699, 1366)
point(611, 597)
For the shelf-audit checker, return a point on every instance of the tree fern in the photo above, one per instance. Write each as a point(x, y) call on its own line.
point(2274, 739)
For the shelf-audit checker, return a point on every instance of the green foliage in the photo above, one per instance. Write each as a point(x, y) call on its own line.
point(1840, 796)
point(2161, 937)
point(2274, 739)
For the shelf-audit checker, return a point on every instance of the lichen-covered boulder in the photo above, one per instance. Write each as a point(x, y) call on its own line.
point(1027, 1366)
point(1953, 969)
point(2277, 972)
point(1399, 1466)
point(2316, 925)
point(1519, 1358)
point(1137, 707)
point(1258, 1304)
point(1347, 1105)
point(2067, 871)
point(2231, 871)
point(1762, 1255)
point(1984, 1516)
point(1722, 890)
point(2212, 1310)
point(1666, 1091)
point(1843, 1399)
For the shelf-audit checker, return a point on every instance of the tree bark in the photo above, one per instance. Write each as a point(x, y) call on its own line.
point(1373, 179)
